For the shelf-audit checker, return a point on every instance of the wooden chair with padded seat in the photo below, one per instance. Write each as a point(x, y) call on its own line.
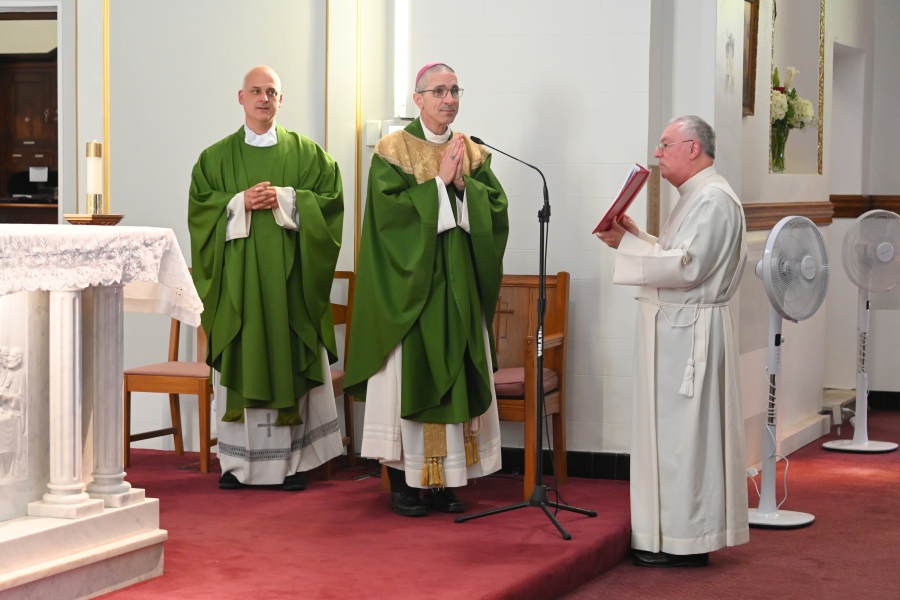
point(174, 378)
point(342, 315)
point(515, 325)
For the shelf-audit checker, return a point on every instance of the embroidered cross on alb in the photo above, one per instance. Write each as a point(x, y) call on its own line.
point(268, 424)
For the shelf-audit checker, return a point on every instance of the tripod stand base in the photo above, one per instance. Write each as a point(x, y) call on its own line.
point(538, 498)
point(780, 519)
point(867, 447)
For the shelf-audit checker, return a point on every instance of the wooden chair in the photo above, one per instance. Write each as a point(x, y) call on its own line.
point(515, 325)
point(174, 377)
point(342, 316)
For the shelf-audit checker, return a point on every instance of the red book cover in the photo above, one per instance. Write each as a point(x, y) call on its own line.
point(630, 189)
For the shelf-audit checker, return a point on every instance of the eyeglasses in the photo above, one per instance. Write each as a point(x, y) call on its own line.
point(441, 92)
point(662, 147)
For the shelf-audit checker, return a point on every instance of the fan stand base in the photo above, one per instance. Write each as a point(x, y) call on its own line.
point(780, 519)
point(864, 447)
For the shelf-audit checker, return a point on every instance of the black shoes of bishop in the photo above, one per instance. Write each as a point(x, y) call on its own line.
point(643, 558)
point(292, 483)
point(408, 503)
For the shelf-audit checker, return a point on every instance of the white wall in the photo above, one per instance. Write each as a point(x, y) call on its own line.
point(885, 139)
point(26, 37)
point(562, 85)
point(175, 70)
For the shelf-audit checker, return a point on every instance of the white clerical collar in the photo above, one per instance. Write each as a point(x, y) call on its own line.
point(269, 138)
point(693, 182)
point(433, 137)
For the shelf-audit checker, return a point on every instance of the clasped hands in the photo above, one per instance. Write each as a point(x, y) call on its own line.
point(260, 197)
point(451, 168)
point(612, 237)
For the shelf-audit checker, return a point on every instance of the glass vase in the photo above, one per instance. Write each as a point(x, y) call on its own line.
point(778, 141)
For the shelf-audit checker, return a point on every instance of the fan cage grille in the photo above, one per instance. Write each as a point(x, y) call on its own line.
point(798, 297)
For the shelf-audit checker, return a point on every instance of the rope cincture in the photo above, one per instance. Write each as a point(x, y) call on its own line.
point(687, 383)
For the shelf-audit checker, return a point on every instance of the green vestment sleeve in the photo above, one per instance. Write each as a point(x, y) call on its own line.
point(267, 296)
point(428, 291)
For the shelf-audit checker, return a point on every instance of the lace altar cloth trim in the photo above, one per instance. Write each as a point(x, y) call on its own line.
point(147, 260)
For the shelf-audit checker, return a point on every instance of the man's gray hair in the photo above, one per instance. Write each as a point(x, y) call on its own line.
point(698, 129)
point(438, 68)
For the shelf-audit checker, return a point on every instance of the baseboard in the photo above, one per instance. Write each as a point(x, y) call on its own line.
point(884, 400)
point(590, 465)
point(803, 433)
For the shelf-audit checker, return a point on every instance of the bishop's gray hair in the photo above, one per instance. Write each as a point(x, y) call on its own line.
point(700, 130)
point(438, 68)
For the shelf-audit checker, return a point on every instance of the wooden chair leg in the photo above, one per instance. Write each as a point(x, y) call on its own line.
point(530, 447)
point(175, 409)
point(203, 408)
point(385, 482)
point(127, 427)
point(560, 462)
point(348, 427)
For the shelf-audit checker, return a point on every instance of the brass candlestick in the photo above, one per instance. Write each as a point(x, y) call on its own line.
point(94, 199)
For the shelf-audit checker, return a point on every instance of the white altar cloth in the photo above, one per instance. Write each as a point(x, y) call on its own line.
point(59, 536)
point(54, 257)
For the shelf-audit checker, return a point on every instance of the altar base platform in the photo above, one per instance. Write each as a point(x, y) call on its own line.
point(339, 539)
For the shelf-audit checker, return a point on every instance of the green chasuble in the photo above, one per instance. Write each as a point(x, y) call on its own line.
point(266, 297)
point(428, 290)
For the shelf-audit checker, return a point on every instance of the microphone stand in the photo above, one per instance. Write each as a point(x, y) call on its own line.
point(539, 496)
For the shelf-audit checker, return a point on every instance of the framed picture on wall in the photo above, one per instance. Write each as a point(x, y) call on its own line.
point(751, 29)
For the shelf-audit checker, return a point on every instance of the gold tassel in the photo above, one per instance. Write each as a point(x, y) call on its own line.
point(471, 444)
point(433, 472)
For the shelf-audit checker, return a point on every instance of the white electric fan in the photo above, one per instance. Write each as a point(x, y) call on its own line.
point(794, 269)
point(872, 262)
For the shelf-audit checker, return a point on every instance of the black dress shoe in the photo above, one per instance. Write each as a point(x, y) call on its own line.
point(294, 483)
point(643, 558)
point(444, 501)
point(408, 504)
point(229, 482)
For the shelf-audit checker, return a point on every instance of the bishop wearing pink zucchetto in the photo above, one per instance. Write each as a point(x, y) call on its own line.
point(429, 272)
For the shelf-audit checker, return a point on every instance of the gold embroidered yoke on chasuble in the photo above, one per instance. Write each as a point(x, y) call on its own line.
point(429, 289)
point(422, 158)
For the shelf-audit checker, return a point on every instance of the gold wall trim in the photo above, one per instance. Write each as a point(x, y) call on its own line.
point(106, 106)
point(327, 50)
point(77, 153)
point(357, 208)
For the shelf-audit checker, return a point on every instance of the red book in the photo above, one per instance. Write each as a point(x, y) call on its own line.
point(630, 189)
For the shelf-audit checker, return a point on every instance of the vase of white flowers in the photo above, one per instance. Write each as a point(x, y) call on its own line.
point(787, 111)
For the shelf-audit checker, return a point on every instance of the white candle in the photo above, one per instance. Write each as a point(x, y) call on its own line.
point(94, 168)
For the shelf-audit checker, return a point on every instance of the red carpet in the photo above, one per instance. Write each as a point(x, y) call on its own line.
point(851, 551)
point(339, 539)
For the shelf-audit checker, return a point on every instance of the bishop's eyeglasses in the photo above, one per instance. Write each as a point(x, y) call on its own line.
point(441, 91)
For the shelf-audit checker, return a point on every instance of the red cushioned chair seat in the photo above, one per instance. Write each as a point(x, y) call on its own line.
point(510, 383)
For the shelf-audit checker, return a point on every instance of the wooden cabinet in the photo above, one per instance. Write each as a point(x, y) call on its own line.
point(28, 115)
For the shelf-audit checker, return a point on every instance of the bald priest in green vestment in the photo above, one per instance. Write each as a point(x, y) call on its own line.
point(265, 216)
point(429, 272)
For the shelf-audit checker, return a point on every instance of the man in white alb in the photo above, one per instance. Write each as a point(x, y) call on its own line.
point(688, 486)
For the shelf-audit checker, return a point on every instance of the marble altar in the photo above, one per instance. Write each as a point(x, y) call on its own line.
point(70, 524)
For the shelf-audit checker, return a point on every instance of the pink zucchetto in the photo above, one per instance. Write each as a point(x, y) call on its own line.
point(425, 68)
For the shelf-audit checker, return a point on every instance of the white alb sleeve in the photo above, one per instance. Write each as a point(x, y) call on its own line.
point(445, 211)
point(238, 218)
point(462, 213)
point(286, 212)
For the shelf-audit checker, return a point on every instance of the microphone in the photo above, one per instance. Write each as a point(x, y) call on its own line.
point(546, 209)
